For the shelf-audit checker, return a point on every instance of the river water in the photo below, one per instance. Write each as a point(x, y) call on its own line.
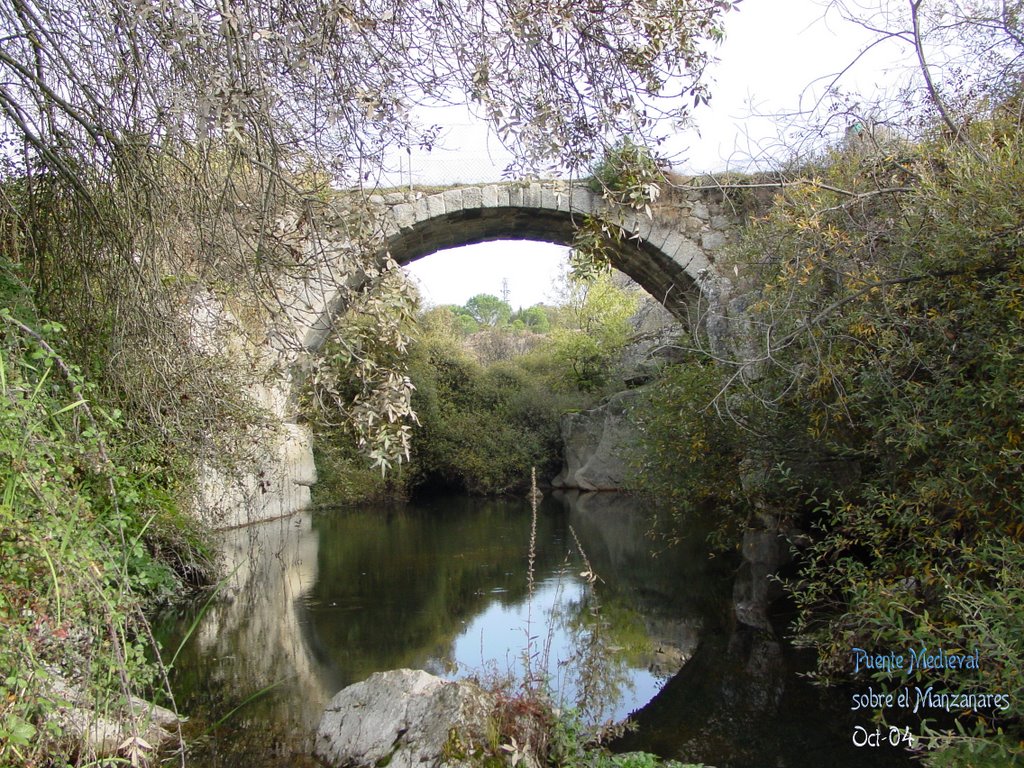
point(612, 618)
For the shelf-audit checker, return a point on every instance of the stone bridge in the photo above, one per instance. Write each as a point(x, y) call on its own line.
point(670, 253)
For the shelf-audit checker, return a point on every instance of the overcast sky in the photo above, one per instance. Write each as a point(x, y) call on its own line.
point(779, 56)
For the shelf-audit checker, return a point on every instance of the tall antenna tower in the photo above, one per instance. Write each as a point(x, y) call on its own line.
point(504, 289)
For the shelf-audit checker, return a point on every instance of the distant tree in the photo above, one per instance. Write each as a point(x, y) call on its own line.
point(466, 325)
point(533, 318)
point(441, 322)
point(489, 310)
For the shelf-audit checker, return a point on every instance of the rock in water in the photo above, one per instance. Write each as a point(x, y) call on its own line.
point(597, 443)
point(404, 719)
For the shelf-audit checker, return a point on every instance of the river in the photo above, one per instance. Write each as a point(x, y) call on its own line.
point(613, 617)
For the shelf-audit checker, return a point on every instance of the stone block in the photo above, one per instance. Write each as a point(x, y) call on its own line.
point(532, 196)
point(712, 241)
point(642, 227)
point(472, 198)
point(389, 227)
point(582, 200)
point(696, 263)
point(421, 209)
point(436, 206)
point(693, 225)
point(674, 244)
point(453, 200)
point(549, 199)
point(489, 196)
point(665, 239)
point(501, 193)
point(404, 215)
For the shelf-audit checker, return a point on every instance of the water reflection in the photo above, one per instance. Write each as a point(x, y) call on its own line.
point(740, 700)
point(314, 603)
point(251, 637)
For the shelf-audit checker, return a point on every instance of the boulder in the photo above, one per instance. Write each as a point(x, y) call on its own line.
point(596, 445)
point(136, 731)
point(411, 719)
point(653, 344)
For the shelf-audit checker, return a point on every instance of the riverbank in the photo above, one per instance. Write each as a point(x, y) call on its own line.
point(91, 537)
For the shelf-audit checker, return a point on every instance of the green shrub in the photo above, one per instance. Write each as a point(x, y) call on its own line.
point(627, 173)
point(345, 476)
point(480, 428)
point(890, 327)
point(585, 347)
point(875, 399)
point(689, 453)
point(89, 534)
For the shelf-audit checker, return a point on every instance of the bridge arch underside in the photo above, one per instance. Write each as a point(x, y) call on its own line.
point(661, 276)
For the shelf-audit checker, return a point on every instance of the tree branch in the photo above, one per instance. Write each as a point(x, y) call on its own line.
point(940, 105)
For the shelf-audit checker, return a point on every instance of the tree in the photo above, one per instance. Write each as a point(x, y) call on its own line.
point(488, 310)
point(534, 319)
point(163, 144)
point(595, 329)
point(89, 84)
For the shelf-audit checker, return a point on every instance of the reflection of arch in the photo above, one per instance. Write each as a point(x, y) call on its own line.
point(669, 260)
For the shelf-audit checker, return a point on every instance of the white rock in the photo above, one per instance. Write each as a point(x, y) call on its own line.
point(405, 719)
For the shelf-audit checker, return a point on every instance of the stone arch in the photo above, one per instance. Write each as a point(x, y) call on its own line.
point(670, 256)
